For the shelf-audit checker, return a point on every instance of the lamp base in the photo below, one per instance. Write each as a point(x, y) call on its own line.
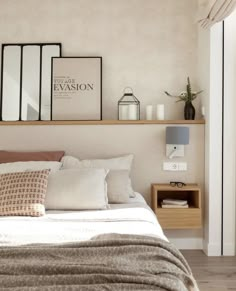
point(174, 150)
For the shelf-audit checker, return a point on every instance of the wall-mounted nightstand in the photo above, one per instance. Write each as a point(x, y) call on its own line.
point(177, 218)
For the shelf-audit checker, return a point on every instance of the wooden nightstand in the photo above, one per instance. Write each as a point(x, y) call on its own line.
point(177, 218)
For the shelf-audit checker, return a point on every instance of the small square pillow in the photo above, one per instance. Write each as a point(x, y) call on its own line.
point(119, 187)
point(23, 193)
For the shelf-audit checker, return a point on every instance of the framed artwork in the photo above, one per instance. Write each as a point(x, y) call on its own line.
point(26, 80)
point(76, 88)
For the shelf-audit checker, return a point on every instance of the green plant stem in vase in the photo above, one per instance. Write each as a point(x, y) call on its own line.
point(187, 97)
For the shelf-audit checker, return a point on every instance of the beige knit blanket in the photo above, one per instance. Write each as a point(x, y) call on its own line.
point(107, 262)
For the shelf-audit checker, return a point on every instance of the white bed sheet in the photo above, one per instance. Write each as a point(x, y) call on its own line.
point(134, 217)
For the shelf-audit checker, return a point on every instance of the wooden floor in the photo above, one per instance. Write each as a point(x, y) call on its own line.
point(212, 273)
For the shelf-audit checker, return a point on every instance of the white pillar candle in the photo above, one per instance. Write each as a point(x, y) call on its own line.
point(160, 112)
point(149, 112)
point(123, 112)
point(132, 112)
point(203, 111)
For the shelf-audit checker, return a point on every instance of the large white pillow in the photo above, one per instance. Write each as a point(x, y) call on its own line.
point(118, 163)
point(77, 189)
point(29, 166)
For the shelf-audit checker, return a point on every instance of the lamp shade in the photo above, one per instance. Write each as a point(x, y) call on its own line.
point(177, 135)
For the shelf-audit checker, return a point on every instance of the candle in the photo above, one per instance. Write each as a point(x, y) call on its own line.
point(160, 112)
point(123, 112)
point(132, 112)
point(203, 111)
point(149, 112)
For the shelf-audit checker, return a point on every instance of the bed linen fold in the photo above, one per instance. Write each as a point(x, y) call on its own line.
point(74, 226)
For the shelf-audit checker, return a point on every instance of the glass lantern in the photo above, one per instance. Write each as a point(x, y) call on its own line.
point(128, 106)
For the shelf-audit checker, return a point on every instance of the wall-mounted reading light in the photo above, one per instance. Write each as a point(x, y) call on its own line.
point(176, 138)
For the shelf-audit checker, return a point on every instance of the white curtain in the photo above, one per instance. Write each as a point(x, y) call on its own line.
point(212, 11)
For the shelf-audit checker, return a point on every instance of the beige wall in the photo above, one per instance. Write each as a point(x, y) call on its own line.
point(146, 142)
point(150, 45)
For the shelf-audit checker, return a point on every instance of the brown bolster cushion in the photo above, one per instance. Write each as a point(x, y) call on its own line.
point(11, 157)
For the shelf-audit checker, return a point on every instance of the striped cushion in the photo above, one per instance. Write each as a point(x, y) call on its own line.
point(23, 193)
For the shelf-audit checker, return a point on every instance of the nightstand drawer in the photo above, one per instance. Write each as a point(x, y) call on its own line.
point(179, 218)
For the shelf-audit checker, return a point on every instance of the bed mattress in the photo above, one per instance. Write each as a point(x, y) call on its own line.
point(58, 227)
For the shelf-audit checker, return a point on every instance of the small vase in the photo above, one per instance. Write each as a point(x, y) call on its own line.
point(189, 111)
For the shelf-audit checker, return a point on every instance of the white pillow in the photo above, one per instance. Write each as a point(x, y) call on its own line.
point(29, 166)
point(77, 189)
point(119, 163)
point(119, 187)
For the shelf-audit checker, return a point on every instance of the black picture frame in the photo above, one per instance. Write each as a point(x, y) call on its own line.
point(22, 45)
point(67, 75)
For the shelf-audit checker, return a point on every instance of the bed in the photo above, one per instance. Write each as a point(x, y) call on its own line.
point(96, 234)
point(121, 248)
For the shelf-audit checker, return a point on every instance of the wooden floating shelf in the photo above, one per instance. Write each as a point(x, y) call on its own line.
point(101, 122)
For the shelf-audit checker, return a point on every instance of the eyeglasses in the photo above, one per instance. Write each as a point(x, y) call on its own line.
point(178, 184)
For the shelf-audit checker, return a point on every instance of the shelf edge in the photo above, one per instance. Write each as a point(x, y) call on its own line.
point(100, 122)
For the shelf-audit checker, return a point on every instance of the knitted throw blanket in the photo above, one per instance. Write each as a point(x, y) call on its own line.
point(107, 262)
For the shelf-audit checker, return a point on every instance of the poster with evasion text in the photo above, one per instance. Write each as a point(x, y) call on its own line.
point(77, 88)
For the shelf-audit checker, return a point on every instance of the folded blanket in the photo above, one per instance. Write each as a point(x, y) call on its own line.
point(107, 262)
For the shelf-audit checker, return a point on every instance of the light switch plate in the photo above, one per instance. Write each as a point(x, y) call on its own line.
point(171, 166)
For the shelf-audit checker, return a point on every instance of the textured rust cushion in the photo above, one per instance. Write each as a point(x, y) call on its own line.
point(23, 193)
point(11, 157)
